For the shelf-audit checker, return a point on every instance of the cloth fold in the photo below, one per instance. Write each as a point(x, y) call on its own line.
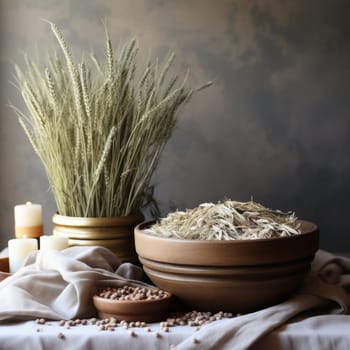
point(60, 284)
point(325, 291)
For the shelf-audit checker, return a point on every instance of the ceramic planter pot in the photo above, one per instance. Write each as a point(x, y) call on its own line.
point(114, 233)
point(237, 276)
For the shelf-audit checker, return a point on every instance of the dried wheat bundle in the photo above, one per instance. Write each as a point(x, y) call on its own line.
point(227, 220)
point(99, 132)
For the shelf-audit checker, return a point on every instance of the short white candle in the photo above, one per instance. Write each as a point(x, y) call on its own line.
point(28, 220)
point(28, 214)
point(53, 243)
point(19, 249)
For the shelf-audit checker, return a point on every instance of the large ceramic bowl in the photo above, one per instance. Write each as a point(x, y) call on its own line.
point(238, 276)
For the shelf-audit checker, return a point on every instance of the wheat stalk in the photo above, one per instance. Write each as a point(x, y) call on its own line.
point(99, 132)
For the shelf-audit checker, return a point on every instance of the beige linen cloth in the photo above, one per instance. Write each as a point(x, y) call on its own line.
point(325, 291)
point(60, 284)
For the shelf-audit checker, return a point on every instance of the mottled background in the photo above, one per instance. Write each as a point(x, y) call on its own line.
point(275, 125)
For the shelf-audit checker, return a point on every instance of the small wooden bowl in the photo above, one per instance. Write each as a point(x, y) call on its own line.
point(4, 268)
point(133, 310)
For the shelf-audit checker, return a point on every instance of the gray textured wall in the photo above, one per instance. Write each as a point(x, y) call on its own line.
point(275, 125)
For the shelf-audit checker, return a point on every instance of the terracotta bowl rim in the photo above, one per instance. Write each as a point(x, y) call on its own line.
point(4, 272)
point(227, 252)
point(139, 230)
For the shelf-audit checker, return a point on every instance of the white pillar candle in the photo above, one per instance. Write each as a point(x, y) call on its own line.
point(28, 220)
point(19, 249)
point(53, 242)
